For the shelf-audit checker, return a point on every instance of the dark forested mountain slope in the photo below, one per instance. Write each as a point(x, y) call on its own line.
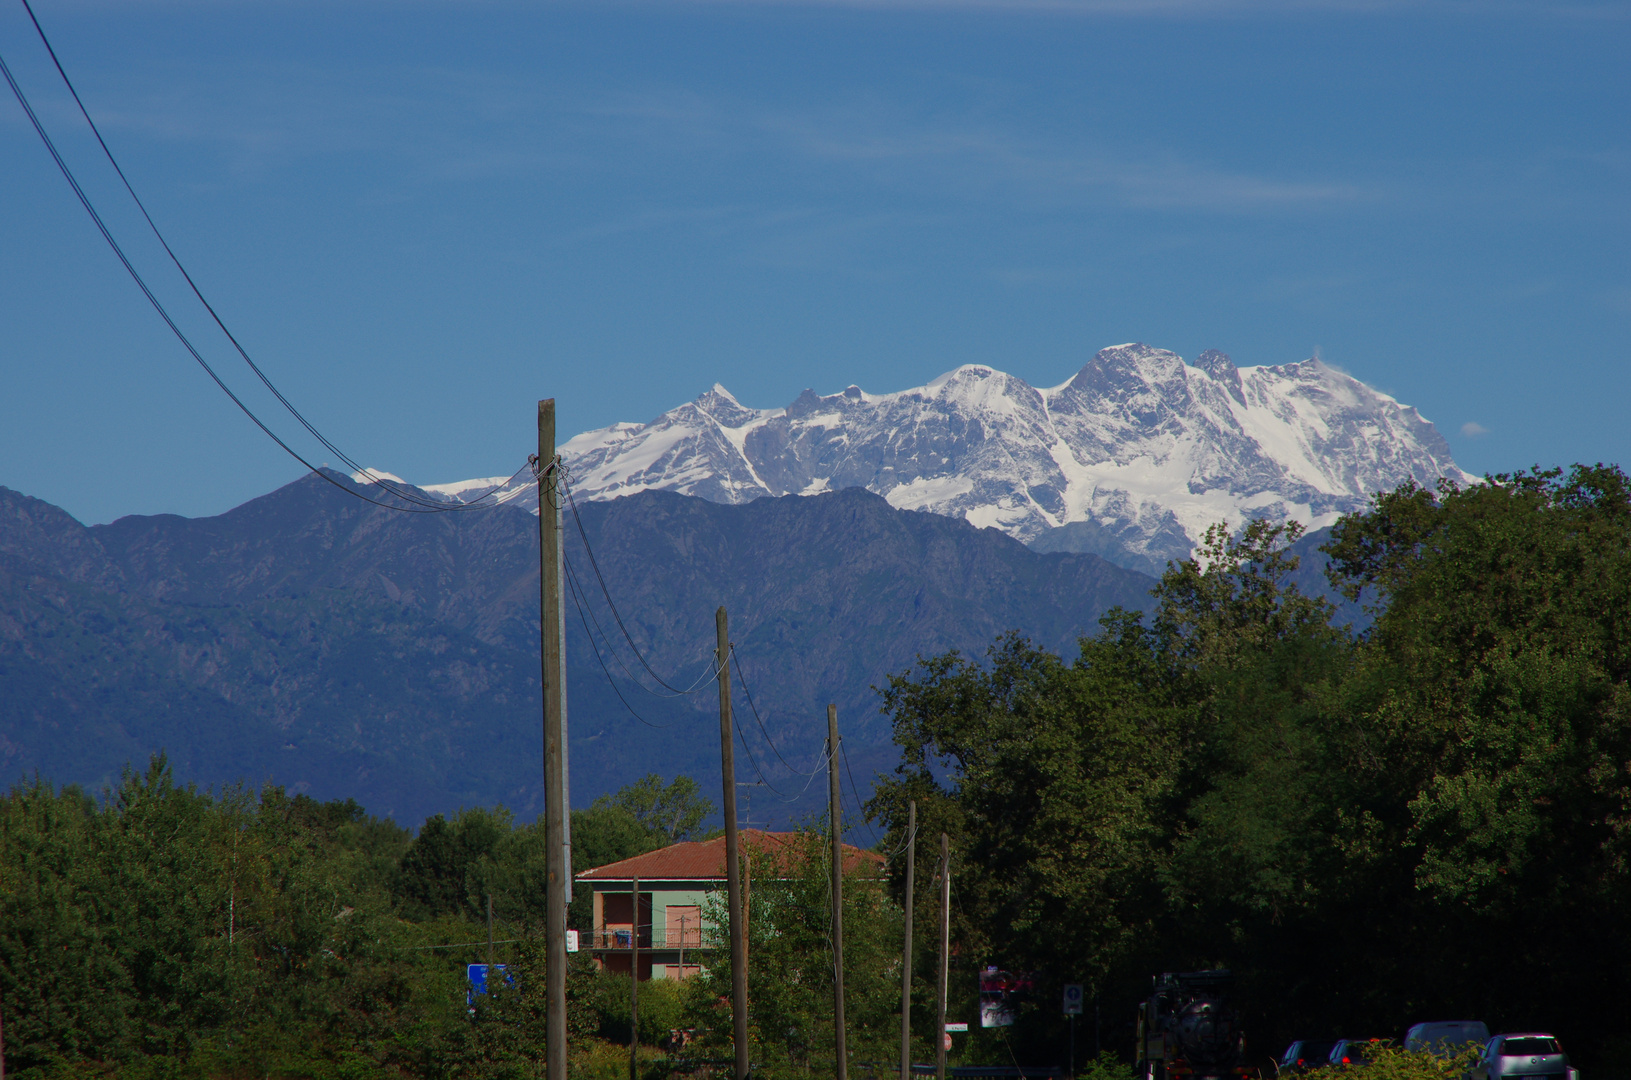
point(331, 646)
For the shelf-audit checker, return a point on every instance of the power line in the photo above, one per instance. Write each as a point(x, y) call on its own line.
point(765, 732)
point(911, 836)
point(860, 807)
point(572, 585)
point(585, 605)
point(740, 734)
point(610, 603)
point(419, 502)
point(811, 775)
point(741, 678)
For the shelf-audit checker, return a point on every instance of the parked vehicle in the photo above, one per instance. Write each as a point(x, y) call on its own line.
point(1533, 1055)
point(1447, 1037)
point(1187, 1031)
point(1305, 1055)
point(1351, 1051)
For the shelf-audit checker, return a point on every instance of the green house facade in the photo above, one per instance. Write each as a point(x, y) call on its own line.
point(669, 929)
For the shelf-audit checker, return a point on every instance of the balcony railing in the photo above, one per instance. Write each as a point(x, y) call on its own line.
point(651, 937)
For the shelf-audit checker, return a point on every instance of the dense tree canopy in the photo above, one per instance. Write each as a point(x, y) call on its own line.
point(166, 931)
point(1426, 819)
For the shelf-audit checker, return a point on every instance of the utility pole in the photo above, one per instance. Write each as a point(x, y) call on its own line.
point(489, 935)
point(906, 952)
point(746, 817)
point(837, 895)
point(733, 867)
point(634, 984)
point(945, 958)
point(557, 819)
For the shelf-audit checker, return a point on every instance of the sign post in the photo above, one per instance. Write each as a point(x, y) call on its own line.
point(1073, 1009)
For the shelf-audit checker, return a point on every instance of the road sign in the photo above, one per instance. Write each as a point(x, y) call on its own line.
point(956, 1027)
point(1073, 999)
point(477, 974)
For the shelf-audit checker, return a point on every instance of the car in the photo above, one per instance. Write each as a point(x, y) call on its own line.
point(1447, 1037)
point(1306, 1054)
point(1533, 1055)
point(1351, 1051)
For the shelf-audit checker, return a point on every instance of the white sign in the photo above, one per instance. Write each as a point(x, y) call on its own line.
point(1073, 999)
point(956, 1027)
point(572, 943)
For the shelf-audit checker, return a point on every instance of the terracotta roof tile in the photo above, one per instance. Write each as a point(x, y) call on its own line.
point(704, 860)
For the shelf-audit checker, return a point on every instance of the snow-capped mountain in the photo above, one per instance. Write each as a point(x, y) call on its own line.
point(1133, 457)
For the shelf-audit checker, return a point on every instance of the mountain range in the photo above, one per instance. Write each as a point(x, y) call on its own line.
point(1131, 458)
point(337, 647)
point(343, 649)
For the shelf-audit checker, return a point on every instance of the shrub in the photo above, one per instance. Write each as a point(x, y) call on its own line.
point(1389, 1062)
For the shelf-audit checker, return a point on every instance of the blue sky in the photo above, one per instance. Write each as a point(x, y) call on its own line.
point(421, 217)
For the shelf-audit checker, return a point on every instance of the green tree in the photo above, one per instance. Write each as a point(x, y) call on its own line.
point(1155, 803)
point(1496, 716)
point(790, 962)
point(670, 813)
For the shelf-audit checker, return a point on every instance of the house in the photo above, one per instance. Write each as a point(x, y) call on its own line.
point(674, 885)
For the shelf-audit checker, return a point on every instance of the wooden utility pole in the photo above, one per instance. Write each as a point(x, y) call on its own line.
point(634, 983)
point(733, 867)
point(557, 820)
point(945, 958)
point(837, 895)
point(489, 935)
point(906, 951)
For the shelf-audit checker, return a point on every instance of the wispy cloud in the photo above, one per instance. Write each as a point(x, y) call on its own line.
point(1472, 430)
point(980, 156)
point(895, 146)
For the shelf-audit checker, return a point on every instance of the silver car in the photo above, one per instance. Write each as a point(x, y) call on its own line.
point(1533, 1055)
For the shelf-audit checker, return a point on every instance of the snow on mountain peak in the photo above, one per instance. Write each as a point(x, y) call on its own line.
point(1133, 456)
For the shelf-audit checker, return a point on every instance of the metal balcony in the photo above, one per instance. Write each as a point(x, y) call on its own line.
point(616, 937)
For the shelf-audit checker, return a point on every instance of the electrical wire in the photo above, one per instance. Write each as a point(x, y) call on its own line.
point(783, 796)
point(748, 750)
point(765, 732)
point(425, 504)
point(572, 588)
point(595, 564)
point(583, 535)
point(856, 791)
point(158, 306)
point(633, 678)
point(740, 677)
point(910, 838)
point(419, 503)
